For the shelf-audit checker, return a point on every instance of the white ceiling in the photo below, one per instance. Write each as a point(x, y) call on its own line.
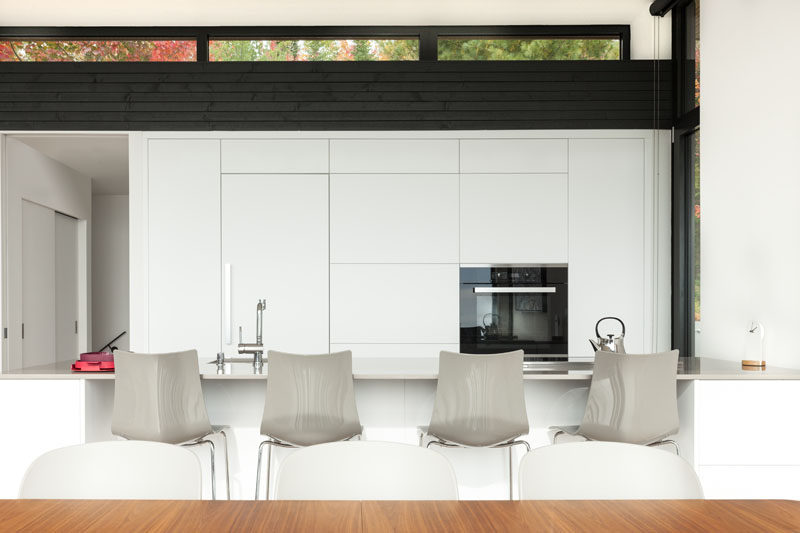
point(104, 158)
point(317, 12)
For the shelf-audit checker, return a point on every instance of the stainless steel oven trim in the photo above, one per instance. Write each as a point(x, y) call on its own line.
point(513, 290)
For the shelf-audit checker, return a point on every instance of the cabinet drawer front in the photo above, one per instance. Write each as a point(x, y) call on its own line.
point(394, 155)
point(394, 218)
point(750, 482)
point(394, 304)
point(279, 156)
point(747, 422)
point(514, 155)
point(514, 218)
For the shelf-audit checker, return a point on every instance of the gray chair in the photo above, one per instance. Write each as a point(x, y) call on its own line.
point(632, 398)
point(310, 400)
point(158, 397)
point(480, 403)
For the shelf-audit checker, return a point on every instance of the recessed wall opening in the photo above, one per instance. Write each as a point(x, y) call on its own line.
point(65, 237)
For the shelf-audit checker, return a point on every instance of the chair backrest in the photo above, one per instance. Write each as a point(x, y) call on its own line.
point(366, 470)
point(480, 399)
point(606, 471)
point(114, 470)
point(310, 398)
point(158, 397)
point(632, 398)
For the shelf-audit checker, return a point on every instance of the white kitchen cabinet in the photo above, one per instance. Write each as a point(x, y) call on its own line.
point(514, 218)
point(394, 304)
point(606, 239)
point(352, 156)
point(395, 350)
point(39, 415)
point(184, 246)
point(394, 218)
point(514, 155)
point(275, 247)
point(275, 156)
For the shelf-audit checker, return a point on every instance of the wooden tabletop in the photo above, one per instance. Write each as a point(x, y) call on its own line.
point(617, 516)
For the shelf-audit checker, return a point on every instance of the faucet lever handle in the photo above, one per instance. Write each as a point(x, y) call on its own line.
point(240, 334)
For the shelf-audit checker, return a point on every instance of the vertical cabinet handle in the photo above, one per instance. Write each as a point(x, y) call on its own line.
point(227, 318)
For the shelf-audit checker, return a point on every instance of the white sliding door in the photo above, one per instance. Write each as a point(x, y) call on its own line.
point(38, 284)
point(66, 286)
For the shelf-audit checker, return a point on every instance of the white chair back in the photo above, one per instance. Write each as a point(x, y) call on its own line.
point(114, 470)
point(366, 470)
point(606, 471)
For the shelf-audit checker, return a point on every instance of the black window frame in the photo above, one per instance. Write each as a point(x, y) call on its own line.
point(428, 35)
point(685, 124)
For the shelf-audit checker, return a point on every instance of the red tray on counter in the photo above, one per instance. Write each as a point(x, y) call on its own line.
point(94, 362)
point(93, 366)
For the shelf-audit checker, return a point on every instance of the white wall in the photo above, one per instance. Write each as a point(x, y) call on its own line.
point(110, 293)
point(750, 177)
point(30, 175)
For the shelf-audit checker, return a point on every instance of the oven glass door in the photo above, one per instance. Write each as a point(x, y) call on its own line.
point(513, 308)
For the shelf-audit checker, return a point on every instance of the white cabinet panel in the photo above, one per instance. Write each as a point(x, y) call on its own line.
point(394, 304)
point(394, 218)
point(514, 155)
point(750, 482)
point(184, 246)
point(606, 239)
point(275, 156)
point(394, 155)
point(746, 422)
point(38, 416)
point(38, 284)
point(514, 218)
point(275, 239)
point(396, 350)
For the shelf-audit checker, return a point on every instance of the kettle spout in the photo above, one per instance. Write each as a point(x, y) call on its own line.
point(596, 347)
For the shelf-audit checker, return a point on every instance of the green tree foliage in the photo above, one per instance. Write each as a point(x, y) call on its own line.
point(315, 50)
point(528, 49)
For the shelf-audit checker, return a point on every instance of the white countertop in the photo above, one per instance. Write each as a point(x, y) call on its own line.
point(700, 368)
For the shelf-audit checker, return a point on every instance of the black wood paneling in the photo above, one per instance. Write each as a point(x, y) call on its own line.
point(335, 96)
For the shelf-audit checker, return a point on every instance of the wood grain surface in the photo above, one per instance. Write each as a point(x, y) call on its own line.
point(552, 516)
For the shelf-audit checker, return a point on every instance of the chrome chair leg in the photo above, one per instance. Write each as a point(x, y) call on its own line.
point(198, 442)
point(668, 441)
point(227, 464)
point(258, 467)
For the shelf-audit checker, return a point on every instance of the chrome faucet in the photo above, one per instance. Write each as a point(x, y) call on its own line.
point(256, 348)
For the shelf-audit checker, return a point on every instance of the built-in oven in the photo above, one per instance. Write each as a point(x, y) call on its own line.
point(506, 308)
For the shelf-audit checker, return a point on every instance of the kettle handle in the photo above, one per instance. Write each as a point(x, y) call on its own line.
point(597, 330)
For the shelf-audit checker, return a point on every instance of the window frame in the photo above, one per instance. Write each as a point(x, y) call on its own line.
point(428, 35)
point(685, 124)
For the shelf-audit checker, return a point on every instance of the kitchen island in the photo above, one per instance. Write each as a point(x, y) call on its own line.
point(726, 412)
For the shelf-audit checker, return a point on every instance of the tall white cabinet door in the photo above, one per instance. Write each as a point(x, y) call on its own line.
point(394, 218)
point(66, 260)
point(606, 239)
point(514, 218)
point(184, 245)
point(394, 304)
point(38, 284)
point(275, 247)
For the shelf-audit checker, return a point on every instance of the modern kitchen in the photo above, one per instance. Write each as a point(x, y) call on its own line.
point(276, 266)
